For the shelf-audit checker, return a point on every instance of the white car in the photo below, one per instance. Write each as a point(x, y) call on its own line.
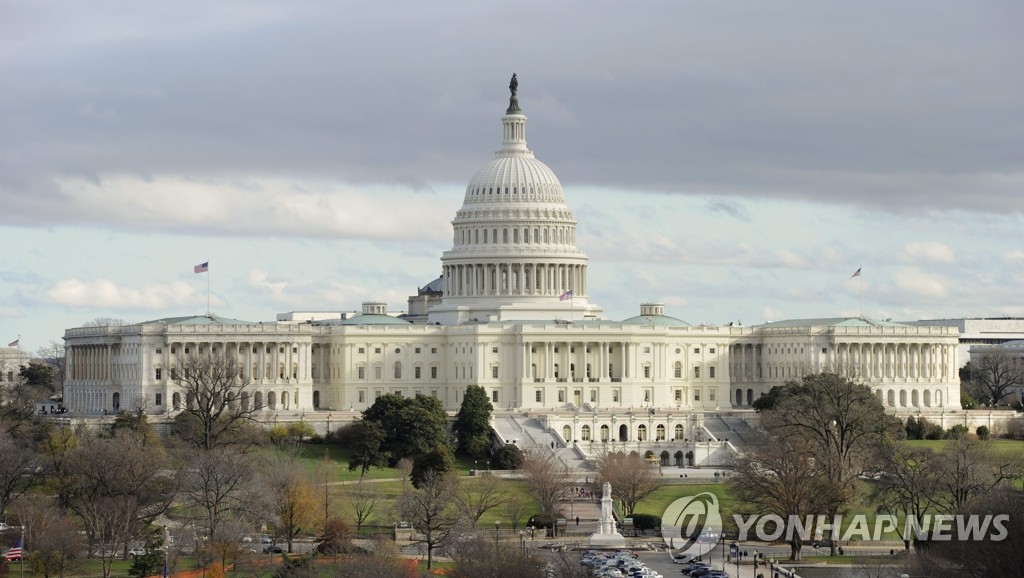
point(137, 552)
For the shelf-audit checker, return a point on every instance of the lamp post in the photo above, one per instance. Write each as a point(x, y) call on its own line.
point(522, 542)
point(497, 523)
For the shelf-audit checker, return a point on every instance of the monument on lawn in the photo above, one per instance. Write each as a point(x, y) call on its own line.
point(606, 535)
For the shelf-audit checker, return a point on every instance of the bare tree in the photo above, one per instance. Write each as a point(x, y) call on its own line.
point(404, 467)
point(908, 482)
point(995, 374)
point(547, 479)
point(218, 481)
point(479, 556)
point(515, 510)
point(785, 478)
point(117, 486)
point(364, 498)
point(57, 545)
point(968, 469)
point(632, 478)
point(53, 354)
point(18, 470)
point(479, 496)
point(432, 510)
point(215, 398)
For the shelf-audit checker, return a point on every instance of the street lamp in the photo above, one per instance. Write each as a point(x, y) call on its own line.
point(522, 541)
point(496, 524)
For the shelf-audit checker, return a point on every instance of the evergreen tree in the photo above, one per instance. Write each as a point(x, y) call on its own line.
point(412, 426)
point(438, 461)
point(367, 441)
point(473, 423)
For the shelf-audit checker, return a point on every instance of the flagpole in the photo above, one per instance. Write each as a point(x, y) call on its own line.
point(862, 296)
point(208, 289)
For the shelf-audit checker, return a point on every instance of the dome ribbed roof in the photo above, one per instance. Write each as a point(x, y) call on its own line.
point(513, 175)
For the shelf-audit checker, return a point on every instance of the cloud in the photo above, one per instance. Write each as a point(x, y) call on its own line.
point(729, 207)
point(106, 294)
point(924, 285)
point(929, 252)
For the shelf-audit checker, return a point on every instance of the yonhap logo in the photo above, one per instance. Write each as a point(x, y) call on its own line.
point(692, 525)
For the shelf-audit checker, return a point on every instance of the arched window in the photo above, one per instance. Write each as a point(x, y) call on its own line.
point(903, 398)
point(659, 433)
point(176, 401)
point(679, 431)
point(272, 400)
point(623, 433)
point(605, 433)
point(891, 398)
point(285, 400)
point(641, 433)
point(245, 401)
point(585, 433)
point(316, 399)
point(515, 236)
point(664, 458)
point(739, 397)
point(257, 400)
point(398, 370)
point(678, 370)
point(567, 433)
point(750, 397)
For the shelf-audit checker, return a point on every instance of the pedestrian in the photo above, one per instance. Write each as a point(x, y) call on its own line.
point(577, 520)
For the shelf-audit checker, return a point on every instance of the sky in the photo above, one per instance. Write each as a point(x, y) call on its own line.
point(736, 161)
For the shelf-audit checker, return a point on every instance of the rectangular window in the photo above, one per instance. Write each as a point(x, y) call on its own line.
point(711, 372)
point(696, 394)
point(538, 396)
point(494, 372)
point(647, 371)
point(362, 350)
point(159, 351)
point(376, 350)
point(647, 395)
point(494, 350)
point(361, 372)
point(173, 349)
point(561, 396)
point(159, 374)
point(159, 399)
point(416, 372)
point(433, 372)
point(556, 350)
point(696, 350)
point(362, 397)
point(711, 394)
point(824, 350)
point(593, 396)
point(647, 350)
point(417, 350)
point(433, 350)
point(376, 372)
point(711, 351)
point(433, 393)
point(615, 395)
point(494, 396)
point(696, 373)
point(679, 395)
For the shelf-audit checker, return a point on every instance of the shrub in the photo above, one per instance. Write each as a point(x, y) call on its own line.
point(956, 432)
point(933, 431)
point(983, 432)
point(646, 521)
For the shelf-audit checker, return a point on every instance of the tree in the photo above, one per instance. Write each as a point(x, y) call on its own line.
point(547, 478)
point(217, 482)
point(969, 469)
point(117, 486)
point(335, 538)
point(216, 401)
point(472, 424)
point(507, 457)
point(136, 421)
point(53, 355)
point(291, 499)
point(412, 426)
point(38, 376)
point(57, 544)
point(907, 482)
point(996, 373)
point(432, 510)
point(363, 498)
point(437, 461)
point(783, 477)
point(632, 478)
point(366, 441)
point(843, 423)
point(481, 495)
point(479, 556)
point(18, 470)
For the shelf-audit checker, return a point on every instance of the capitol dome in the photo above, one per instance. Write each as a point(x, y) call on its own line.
point(514, 253)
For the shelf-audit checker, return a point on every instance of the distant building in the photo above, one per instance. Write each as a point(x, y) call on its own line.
point(12, 359)
point(979, 331)
point(510, 313)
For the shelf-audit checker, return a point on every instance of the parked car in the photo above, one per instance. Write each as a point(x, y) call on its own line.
point(273, 549)
point(137, 552)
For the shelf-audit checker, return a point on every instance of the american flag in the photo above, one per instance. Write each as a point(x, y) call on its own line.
point(15, 552)
point(566, 296)
point(14, 343)
point(202, 267)
point(856, 273)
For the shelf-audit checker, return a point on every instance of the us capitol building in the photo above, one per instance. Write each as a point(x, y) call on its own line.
point(510, 312)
